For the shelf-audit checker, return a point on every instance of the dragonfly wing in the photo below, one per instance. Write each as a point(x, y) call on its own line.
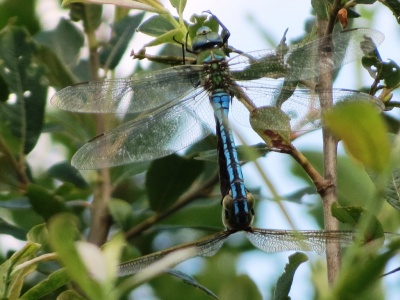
point(300, 62)
point(269, 240)
point(302, 106)
point(131, 95)
point(157, 134)
point(207, 246)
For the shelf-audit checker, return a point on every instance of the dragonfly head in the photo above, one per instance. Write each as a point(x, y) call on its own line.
point(206, 39)
point(237, 214)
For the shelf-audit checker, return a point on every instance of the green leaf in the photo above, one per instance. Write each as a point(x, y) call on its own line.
point(391, 74)
point(167, 37)
point(39, 235)
point(391, 189)
point(58, 73)
point(8, 229)
point(66, 41)
point(320, 7)
point(168, 178)
point(121, 212)
point(352, 215)
point(26, 82)
point(191, 281)
point(271, 117)
point(21, 12)
point(19, 213)
point(360, 273)
point(379, 70)
point(11, 178)
point(63, 232)
point(363, 133)
point(150, 6)
point(123, 31)
point(285, 281)
point(12, 280)
point(44, 203)
point(65, 172)
point(179, 5)
point(156, 26)
point(54, 281)
point(239, 288)
point(70, 295)
point(3, 90)
point(112, 253)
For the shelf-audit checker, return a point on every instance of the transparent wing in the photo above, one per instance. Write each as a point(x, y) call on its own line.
point(131, 95)
point(300, 62)
point(204, 247)
point(269, 240)
point(302, 106)
point(157, 134)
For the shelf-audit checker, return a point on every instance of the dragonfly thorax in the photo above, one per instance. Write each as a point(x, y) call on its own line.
point(238, 214)
point(217, 76)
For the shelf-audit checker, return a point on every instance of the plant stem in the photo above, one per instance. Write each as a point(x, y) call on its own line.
point(100, 217)
point(200, 191)
point(329, 196)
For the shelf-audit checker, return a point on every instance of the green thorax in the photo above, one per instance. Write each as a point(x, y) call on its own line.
point(217, 75)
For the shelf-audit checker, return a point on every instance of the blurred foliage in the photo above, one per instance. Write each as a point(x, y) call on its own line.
point(48, 205)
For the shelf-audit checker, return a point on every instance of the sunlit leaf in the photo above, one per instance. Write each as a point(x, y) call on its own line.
point(63, 232)
point(70, 295)
point(12, 280)
point(54, 281)
point(112, 254)
point(363, 133)
point(156, 26)
point(40, 235)
point(179, 5)
point(123, 3)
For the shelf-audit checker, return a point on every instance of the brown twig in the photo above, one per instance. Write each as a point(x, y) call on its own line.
point(200, 191)
point(320, 182)
point(100, 217)
point(329, 196)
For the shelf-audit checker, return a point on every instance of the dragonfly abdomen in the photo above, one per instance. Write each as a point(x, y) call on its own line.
point(238, 210)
